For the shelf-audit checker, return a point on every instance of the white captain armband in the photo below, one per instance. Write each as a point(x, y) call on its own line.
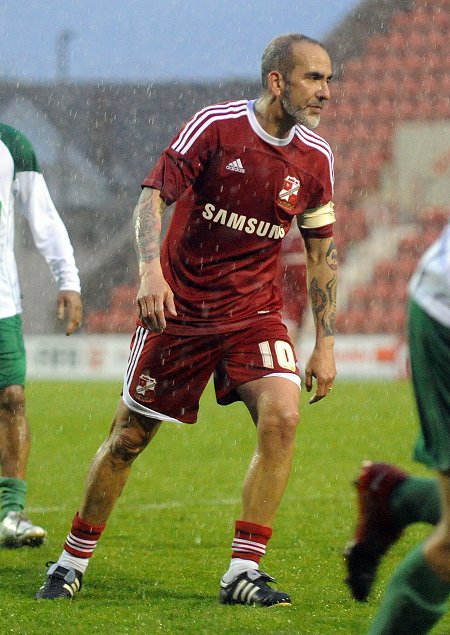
point(318, 216)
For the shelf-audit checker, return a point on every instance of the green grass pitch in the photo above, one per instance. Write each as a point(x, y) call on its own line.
point(158, 564)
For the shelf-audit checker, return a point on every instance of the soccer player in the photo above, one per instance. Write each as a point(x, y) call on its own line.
point(21, 181)
point(239, 173)
point(390, 499)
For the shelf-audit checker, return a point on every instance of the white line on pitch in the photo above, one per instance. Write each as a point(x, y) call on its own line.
point(166, 505)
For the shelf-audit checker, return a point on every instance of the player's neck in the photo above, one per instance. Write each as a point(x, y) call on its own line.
point(271, 118)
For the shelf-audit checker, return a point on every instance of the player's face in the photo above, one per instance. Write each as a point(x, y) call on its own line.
point(306, 90)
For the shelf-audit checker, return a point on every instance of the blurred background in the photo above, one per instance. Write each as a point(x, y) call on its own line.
point(101, 88)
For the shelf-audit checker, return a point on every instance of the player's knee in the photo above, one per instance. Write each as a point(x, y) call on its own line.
point(288, 414)
point(289, 419)
point(128, 443)
point(280, 421)
point(12, 402)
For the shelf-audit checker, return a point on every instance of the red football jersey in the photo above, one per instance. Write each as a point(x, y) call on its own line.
point(237, 189)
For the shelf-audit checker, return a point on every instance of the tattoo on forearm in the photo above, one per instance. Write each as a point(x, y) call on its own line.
point(323, 293)
point(329, 318)
point(318, 297)
point(147, 226)
point(332, 256)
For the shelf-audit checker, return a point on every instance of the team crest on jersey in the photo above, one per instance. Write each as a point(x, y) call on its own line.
point(145, 389)
point(288, 194)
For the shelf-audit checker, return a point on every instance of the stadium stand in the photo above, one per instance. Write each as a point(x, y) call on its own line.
point(391, 68)
point(379, 305)
point(399, 75)
point(392, 79)
point(119, 317)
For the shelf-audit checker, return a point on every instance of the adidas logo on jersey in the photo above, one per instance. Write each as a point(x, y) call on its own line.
point(236, 166)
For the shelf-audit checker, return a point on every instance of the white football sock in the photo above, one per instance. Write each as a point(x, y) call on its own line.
point(71, 562)
point(238, 566)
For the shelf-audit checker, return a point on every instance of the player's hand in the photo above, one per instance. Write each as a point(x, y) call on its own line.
point(321, 367)
point(154, 298)
point(70, 306)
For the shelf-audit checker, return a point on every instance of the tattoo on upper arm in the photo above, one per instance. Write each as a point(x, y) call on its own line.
point(323, 293)
point(147, 225)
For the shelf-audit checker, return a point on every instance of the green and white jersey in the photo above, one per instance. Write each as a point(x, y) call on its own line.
point(430, 285)
point(21, 181)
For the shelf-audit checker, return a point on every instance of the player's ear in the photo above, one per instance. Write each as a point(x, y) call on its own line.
point(275, 83)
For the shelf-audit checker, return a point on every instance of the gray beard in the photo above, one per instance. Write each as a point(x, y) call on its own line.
point(300, 117)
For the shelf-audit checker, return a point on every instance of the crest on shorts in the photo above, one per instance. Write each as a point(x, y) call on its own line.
point(288, 194)
point(145, 389)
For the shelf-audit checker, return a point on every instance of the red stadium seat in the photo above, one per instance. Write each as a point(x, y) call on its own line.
point(441, 19)
point(374, 322)
point(405, 265)
point(412, 245)
point(395, 323)
point(120, 317)
point(374, 64)
point(400, 22)
point(360, 298)
point(399, 292)
point(385, 270)
point(382, 291)
point(96, 322)
point(121, 321)
point(436, 217)
point(400, 76)
point(353, 67)
point(350, 322)
point(442, 109)
point(377, 44)
point(391, 87)
point(420, 18)
point(123, 296)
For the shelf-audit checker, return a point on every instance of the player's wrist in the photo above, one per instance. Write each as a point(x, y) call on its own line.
point(325, 342)
point(149, 267)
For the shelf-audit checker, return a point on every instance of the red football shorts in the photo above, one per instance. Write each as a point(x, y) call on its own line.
point(167, 374)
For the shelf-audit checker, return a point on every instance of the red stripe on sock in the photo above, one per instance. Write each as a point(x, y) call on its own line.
point(91, 532)
point(249, 530)
point(82, 538)
point(256, 538)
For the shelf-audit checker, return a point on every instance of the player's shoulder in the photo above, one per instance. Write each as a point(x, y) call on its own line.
point(225, 106)
point(311, 139)
point(209, 123)
point(20, 148)
point(222, 111)
point(316, 144)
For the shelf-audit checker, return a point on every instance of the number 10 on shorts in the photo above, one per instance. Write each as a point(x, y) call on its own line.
point(283, 352)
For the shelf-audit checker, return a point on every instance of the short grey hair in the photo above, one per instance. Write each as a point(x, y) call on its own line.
point(278, 54)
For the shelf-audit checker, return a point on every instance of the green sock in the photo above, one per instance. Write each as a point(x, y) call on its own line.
point(12, 495)
point(416, 500)
point(414, 600)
